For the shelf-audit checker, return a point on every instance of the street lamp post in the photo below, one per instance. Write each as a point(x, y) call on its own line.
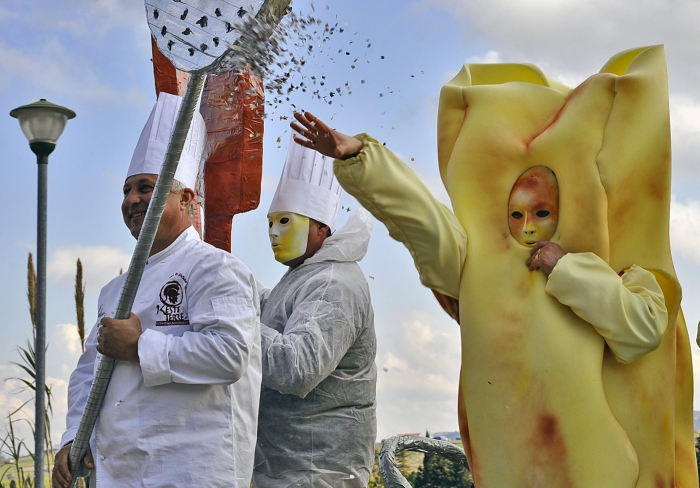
point(42, 123)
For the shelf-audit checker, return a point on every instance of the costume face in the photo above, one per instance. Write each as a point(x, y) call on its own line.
point(289, 234)
point(533, 209)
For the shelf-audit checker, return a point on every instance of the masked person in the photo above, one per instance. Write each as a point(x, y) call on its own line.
point(317, 424)
point(181, 407)
point(555, 259)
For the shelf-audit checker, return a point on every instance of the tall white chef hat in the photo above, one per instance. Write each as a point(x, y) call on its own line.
point(308, 186)
point(153, 143)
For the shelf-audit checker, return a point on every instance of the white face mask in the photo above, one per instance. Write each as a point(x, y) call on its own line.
point(289, 235)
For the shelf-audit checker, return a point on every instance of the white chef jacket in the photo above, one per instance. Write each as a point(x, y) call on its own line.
point(187, 414)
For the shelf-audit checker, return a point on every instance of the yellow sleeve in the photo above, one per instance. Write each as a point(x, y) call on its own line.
point(628, 311)
point(394, 194)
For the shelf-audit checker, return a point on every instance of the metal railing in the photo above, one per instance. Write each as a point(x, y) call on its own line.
point(394, 445)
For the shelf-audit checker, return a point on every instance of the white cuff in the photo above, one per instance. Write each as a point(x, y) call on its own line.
point(153, 355)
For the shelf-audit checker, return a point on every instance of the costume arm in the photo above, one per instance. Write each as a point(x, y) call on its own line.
point(628, 310)
point(394, 194)
point(79, 386)
point(223, 311)
point(323, 326)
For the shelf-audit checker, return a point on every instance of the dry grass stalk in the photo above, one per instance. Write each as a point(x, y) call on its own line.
point(79, 302)
point(31, 289)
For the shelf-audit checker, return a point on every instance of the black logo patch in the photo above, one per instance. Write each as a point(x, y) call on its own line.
point(171, 307)
point(171, 294)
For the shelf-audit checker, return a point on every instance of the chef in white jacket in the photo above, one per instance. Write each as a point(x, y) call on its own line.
point(182, 405)
point(317, 406)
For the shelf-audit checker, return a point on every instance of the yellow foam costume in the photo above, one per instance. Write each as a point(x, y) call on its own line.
point(583, 378)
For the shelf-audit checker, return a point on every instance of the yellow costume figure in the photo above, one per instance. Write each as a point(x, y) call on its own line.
point(582, 378)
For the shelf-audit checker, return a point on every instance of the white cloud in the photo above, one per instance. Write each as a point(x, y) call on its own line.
point(63, 346)
point(685, 133)
point(12, 398)
point(63, 353)
point(571, 40)
point(686, 118)
point(418, 369)
point(100, 264)
point(59, 388)
point(685, 228)
point(65, 338)
point(488, 58)
point(93, 18)
point(51, 69)
point(569, 36)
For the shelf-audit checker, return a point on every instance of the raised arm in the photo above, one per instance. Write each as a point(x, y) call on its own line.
point(394, 194)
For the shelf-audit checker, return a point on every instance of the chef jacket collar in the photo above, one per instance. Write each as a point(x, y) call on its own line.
point(188, 234)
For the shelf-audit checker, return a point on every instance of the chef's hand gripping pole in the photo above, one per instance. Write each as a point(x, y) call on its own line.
point(135, 271)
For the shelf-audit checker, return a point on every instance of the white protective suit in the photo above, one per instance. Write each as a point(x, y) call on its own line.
point(187, 414)
point(317, 406)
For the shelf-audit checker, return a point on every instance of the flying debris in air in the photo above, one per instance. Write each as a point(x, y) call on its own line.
point(293, 58)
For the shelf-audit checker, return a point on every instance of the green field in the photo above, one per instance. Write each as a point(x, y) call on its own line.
point(27, 465)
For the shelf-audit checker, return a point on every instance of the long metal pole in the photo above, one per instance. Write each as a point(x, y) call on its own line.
point(135, 271)
point(40, 338)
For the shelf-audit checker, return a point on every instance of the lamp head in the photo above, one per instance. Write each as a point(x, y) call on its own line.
point(42, 121)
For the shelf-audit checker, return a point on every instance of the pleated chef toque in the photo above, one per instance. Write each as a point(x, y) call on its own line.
point(308, 186)
point(153, 143)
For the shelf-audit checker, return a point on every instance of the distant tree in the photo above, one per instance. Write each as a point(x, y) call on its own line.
point(697, 453)
point(439, 472)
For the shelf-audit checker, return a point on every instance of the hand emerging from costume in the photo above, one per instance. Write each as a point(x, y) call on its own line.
point(119, 339)
point(329, 142)
point(545, 256)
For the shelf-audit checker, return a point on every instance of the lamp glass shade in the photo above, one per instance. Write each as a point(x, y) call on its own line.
point(42, 121)
point(42, 125)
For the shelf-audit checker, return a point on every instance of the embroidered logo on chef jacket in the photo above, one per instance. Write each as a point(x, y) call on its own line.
point(172, 309)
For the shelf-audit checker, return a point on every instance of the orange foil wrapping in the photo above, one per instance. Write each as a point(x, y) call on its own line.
point(169, 79)
point(233, 108)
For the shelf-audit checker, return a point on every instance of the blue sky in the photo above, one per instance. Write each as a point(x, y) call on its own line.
point(94, 57)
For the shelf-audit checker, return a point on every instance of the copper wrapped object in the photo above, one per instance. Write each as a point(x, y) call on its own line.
point(233, 107)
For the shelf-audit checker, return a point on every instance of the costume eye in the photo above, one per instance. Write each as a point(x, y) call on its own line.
point(284, 220)
point(270, 223)
point(542, 213)
point(517, 215)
